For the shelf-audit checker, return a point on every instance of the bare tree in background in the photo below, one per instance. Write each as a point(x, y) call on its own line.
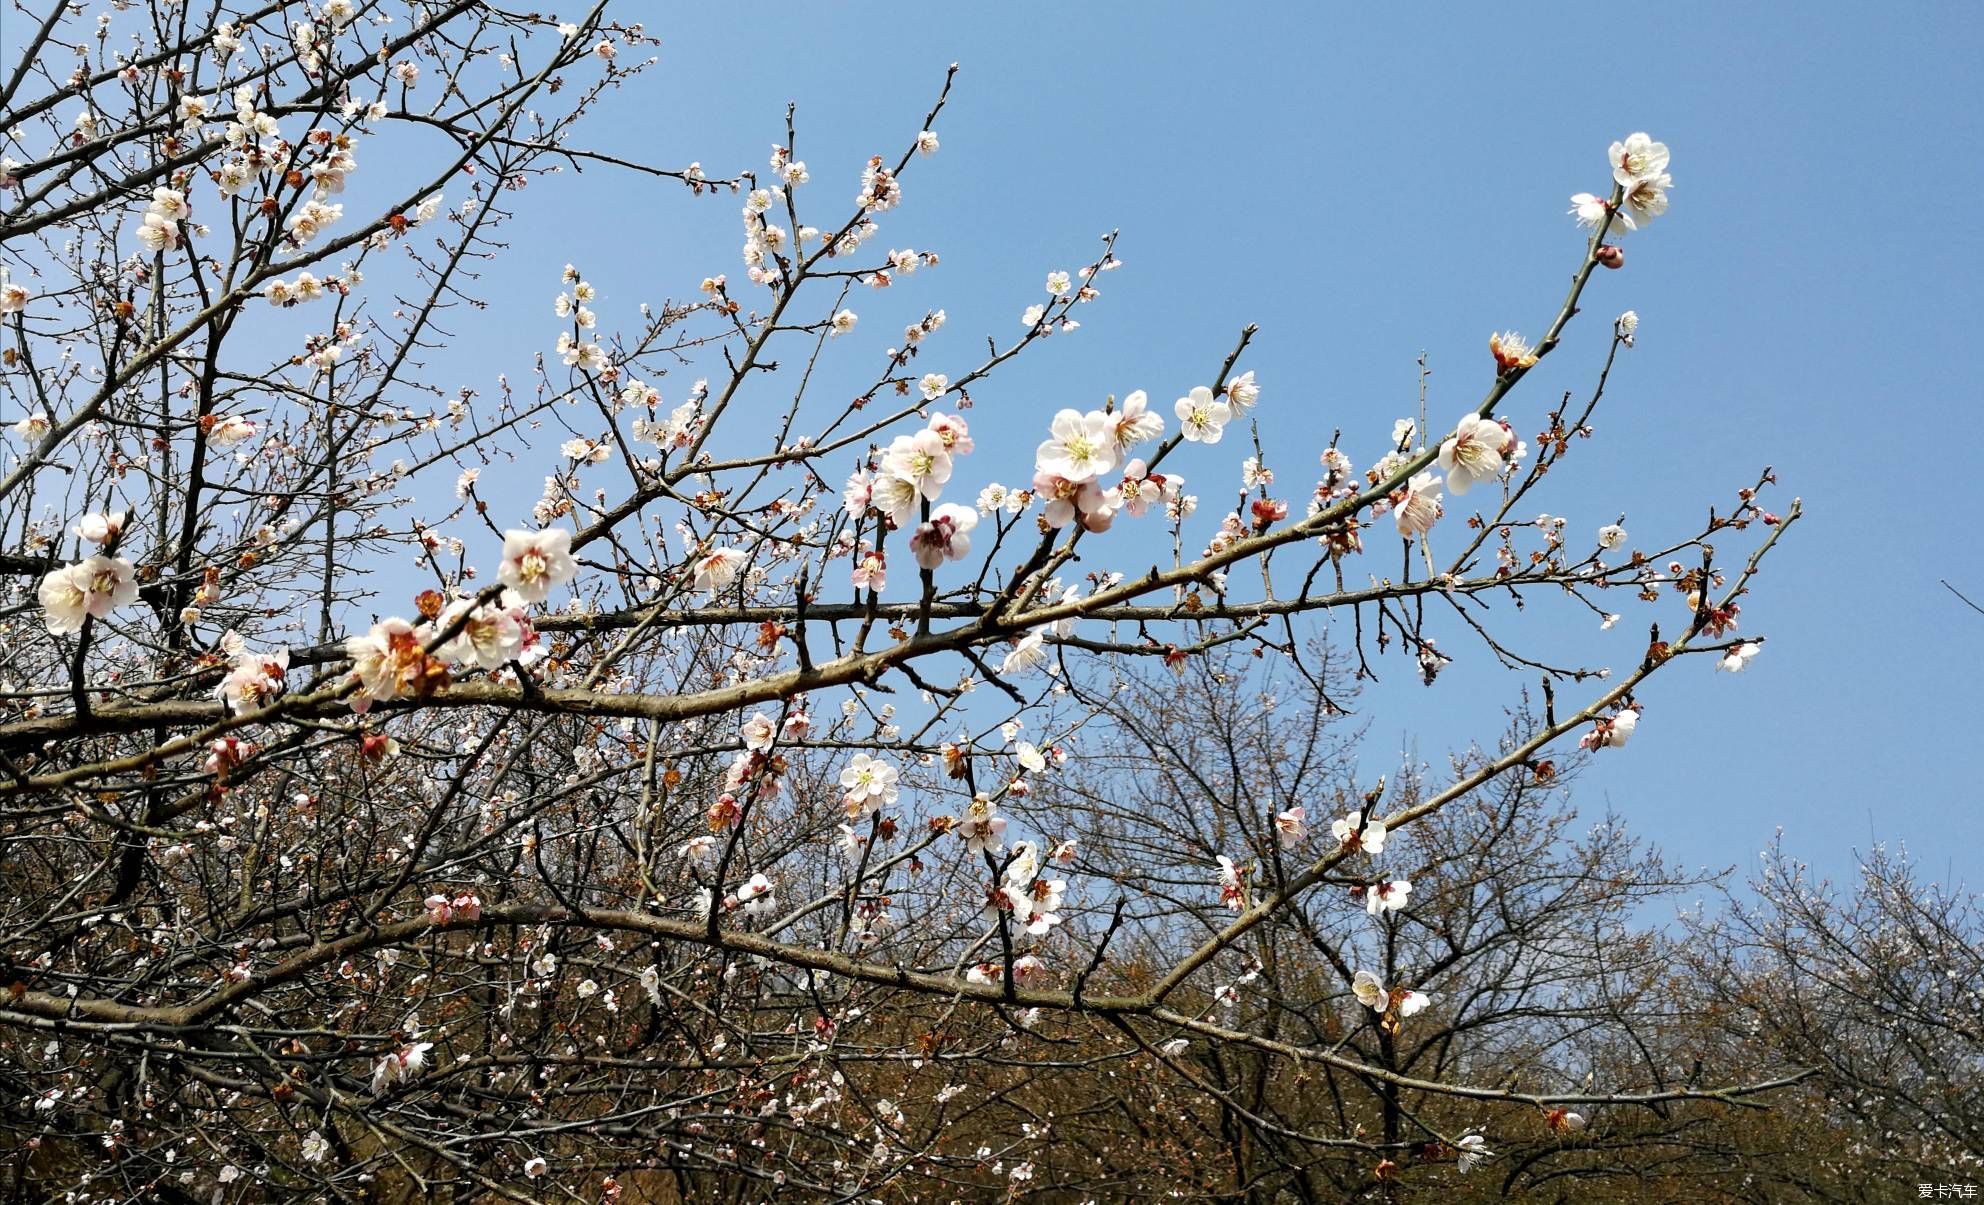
point(1879, 987)
point(710, 821)
point(1527, 929)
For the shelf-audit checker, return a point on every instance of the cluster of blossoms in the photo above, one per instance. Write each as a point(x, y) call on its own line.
point(402, 1063)
point(1073, 466)
point(491, 635)
point(758, 772)
point(1639, 168)
point(1483, 449)
point(586, 354)
point(1611, 732)
point(1232, 884)
point(763, 238)
point(89, 589)
point(443, 909)
point(392, 661)
point(158, 230)
point(305, 287)
point(1395, 1003)
point(1025, 968)
point(255, 679)
point(677, 431)
point(1032, 902)
point(311, 219)
point(914, 469)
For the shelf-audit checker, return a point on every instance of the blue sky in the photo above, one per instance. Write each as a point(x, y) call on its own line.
point(1369, 183)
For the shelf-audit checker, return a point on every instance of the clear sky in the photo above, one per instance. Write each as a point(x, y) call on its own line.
point(1369, 182)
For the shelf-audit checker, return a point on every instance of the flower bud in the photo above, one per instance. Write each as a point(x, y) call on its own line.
point(1610, 256)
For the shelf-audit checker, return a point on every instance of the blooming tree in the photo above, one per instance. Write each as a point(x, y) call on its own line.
point(362, 820)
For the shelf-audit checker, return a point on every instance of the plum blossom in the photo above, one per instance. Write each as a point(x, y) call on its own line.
point(1201, 418)
point(1292, 826)
point(230, 429)
point(953, 430)
point(399, 1065)
point(494, 634)
point(895, 497)
point(870, 570)
point(1417, 507)
point(933, 385)
point(947, 536)
point(1029, 654)
point(1242, 393)
point(1475, 452)
point(255, 679)
point(1474, 1152)
point(1646, 199)
point(982, 828)
point(756, 895)
point(758, 732)
point(868, 785)
point(1031, 901)
point(535, 561)
point(1737, 658)
point(718, 569)
point(100, 529)
point(1025, 967)
point(1354, 833)
point(1511, 351)
point(1611, 732)
point(1385, 897)
point(858, 494)
point(1133, 423)
point(922, 460)
point(89, 589)
point(1232, 884)
point(1077, 501)
point(879, 189)
point(1639, 166)
point(1637, 157)
point(1083, 446)
point(1143, 489)
point(156, 233)
point(1372, 994)
point(390, 661)
point(1589, 210)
